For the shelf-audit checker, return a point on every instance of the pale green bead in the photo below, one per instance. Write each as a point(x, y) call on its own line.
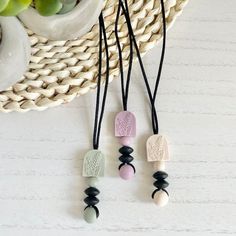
point(90, 215)
point(92, 181)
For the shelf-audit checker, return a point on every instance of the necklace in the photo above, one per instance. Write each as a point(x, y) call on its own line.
point(94, 160)
point(157, 147)
point(125, 121)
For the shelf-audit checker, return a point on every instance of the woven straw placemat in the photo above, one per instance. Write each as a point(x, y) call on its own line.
point(59, 71)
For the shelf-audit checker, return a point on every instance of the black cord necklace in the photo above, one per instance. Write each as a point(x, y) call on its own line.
point(94, 161)
point(157, 147)
point(125, 121)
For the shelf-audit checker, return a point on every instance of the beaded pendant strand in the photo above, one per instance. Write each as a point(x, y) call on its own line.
point(125, 130)
point(125, 121)
point(93, 167)
point(94, 160)
point(157, 147)
point(158, 154)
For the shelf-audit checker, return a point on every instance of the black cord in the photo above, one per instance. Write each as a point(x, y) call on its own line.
point(127, 15)
point(152, 97)
point(98, 120)
point(124, 87)
point(162, 51)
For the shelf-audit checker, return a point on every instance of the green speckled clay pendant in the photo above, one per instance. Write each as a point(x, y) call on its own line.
point(94, 164)
point(158, 153)
point(93, 167)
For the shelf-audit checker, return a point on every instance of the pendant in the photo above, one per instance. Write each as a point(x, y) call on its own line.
point(93, 167)
point(158, 153)
point(125, 130)
point(94, 164)
point(157, 148)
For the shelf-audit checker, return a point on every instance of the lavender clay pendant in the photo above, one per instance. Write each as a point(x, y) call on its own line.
point(125, 124)
point(158, 153)
point(125, 130)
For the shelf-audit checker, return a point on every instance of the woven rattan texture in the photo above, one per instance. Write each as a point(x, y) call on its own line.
point(59, 71)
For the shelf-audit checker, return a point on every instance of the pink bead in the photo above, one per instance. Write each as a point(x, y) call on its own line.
point(125, 141)
point(126, 172)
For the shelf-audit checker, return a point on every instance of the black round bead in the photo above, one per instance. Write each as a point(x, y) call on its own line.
point(160, 175)
point(91, 191)
point(126, 158)
point(91, 200)
point(126, 150)
point(161, 184)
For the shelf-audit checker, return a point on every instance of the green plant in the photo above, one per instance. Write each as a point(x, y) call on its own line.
point(44, 7)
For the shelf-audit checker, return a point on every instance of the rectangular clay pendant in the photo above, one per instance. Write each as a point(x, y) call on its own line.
point(157, 148)
point(94, 164)
point(125, 124)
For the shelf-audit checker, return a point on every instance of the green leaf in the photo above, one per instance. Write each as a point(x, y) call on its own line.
point(3, 4)
point(48, 7)
point(68, 1)
point(14, 7)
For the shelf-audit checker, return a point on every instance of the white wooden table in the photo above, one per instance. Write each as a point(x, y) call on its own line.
point(41, 188)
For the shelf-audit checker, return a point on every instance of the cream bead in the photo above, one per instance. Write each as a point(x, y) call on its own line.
point(161, 198)
point(159, 166)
